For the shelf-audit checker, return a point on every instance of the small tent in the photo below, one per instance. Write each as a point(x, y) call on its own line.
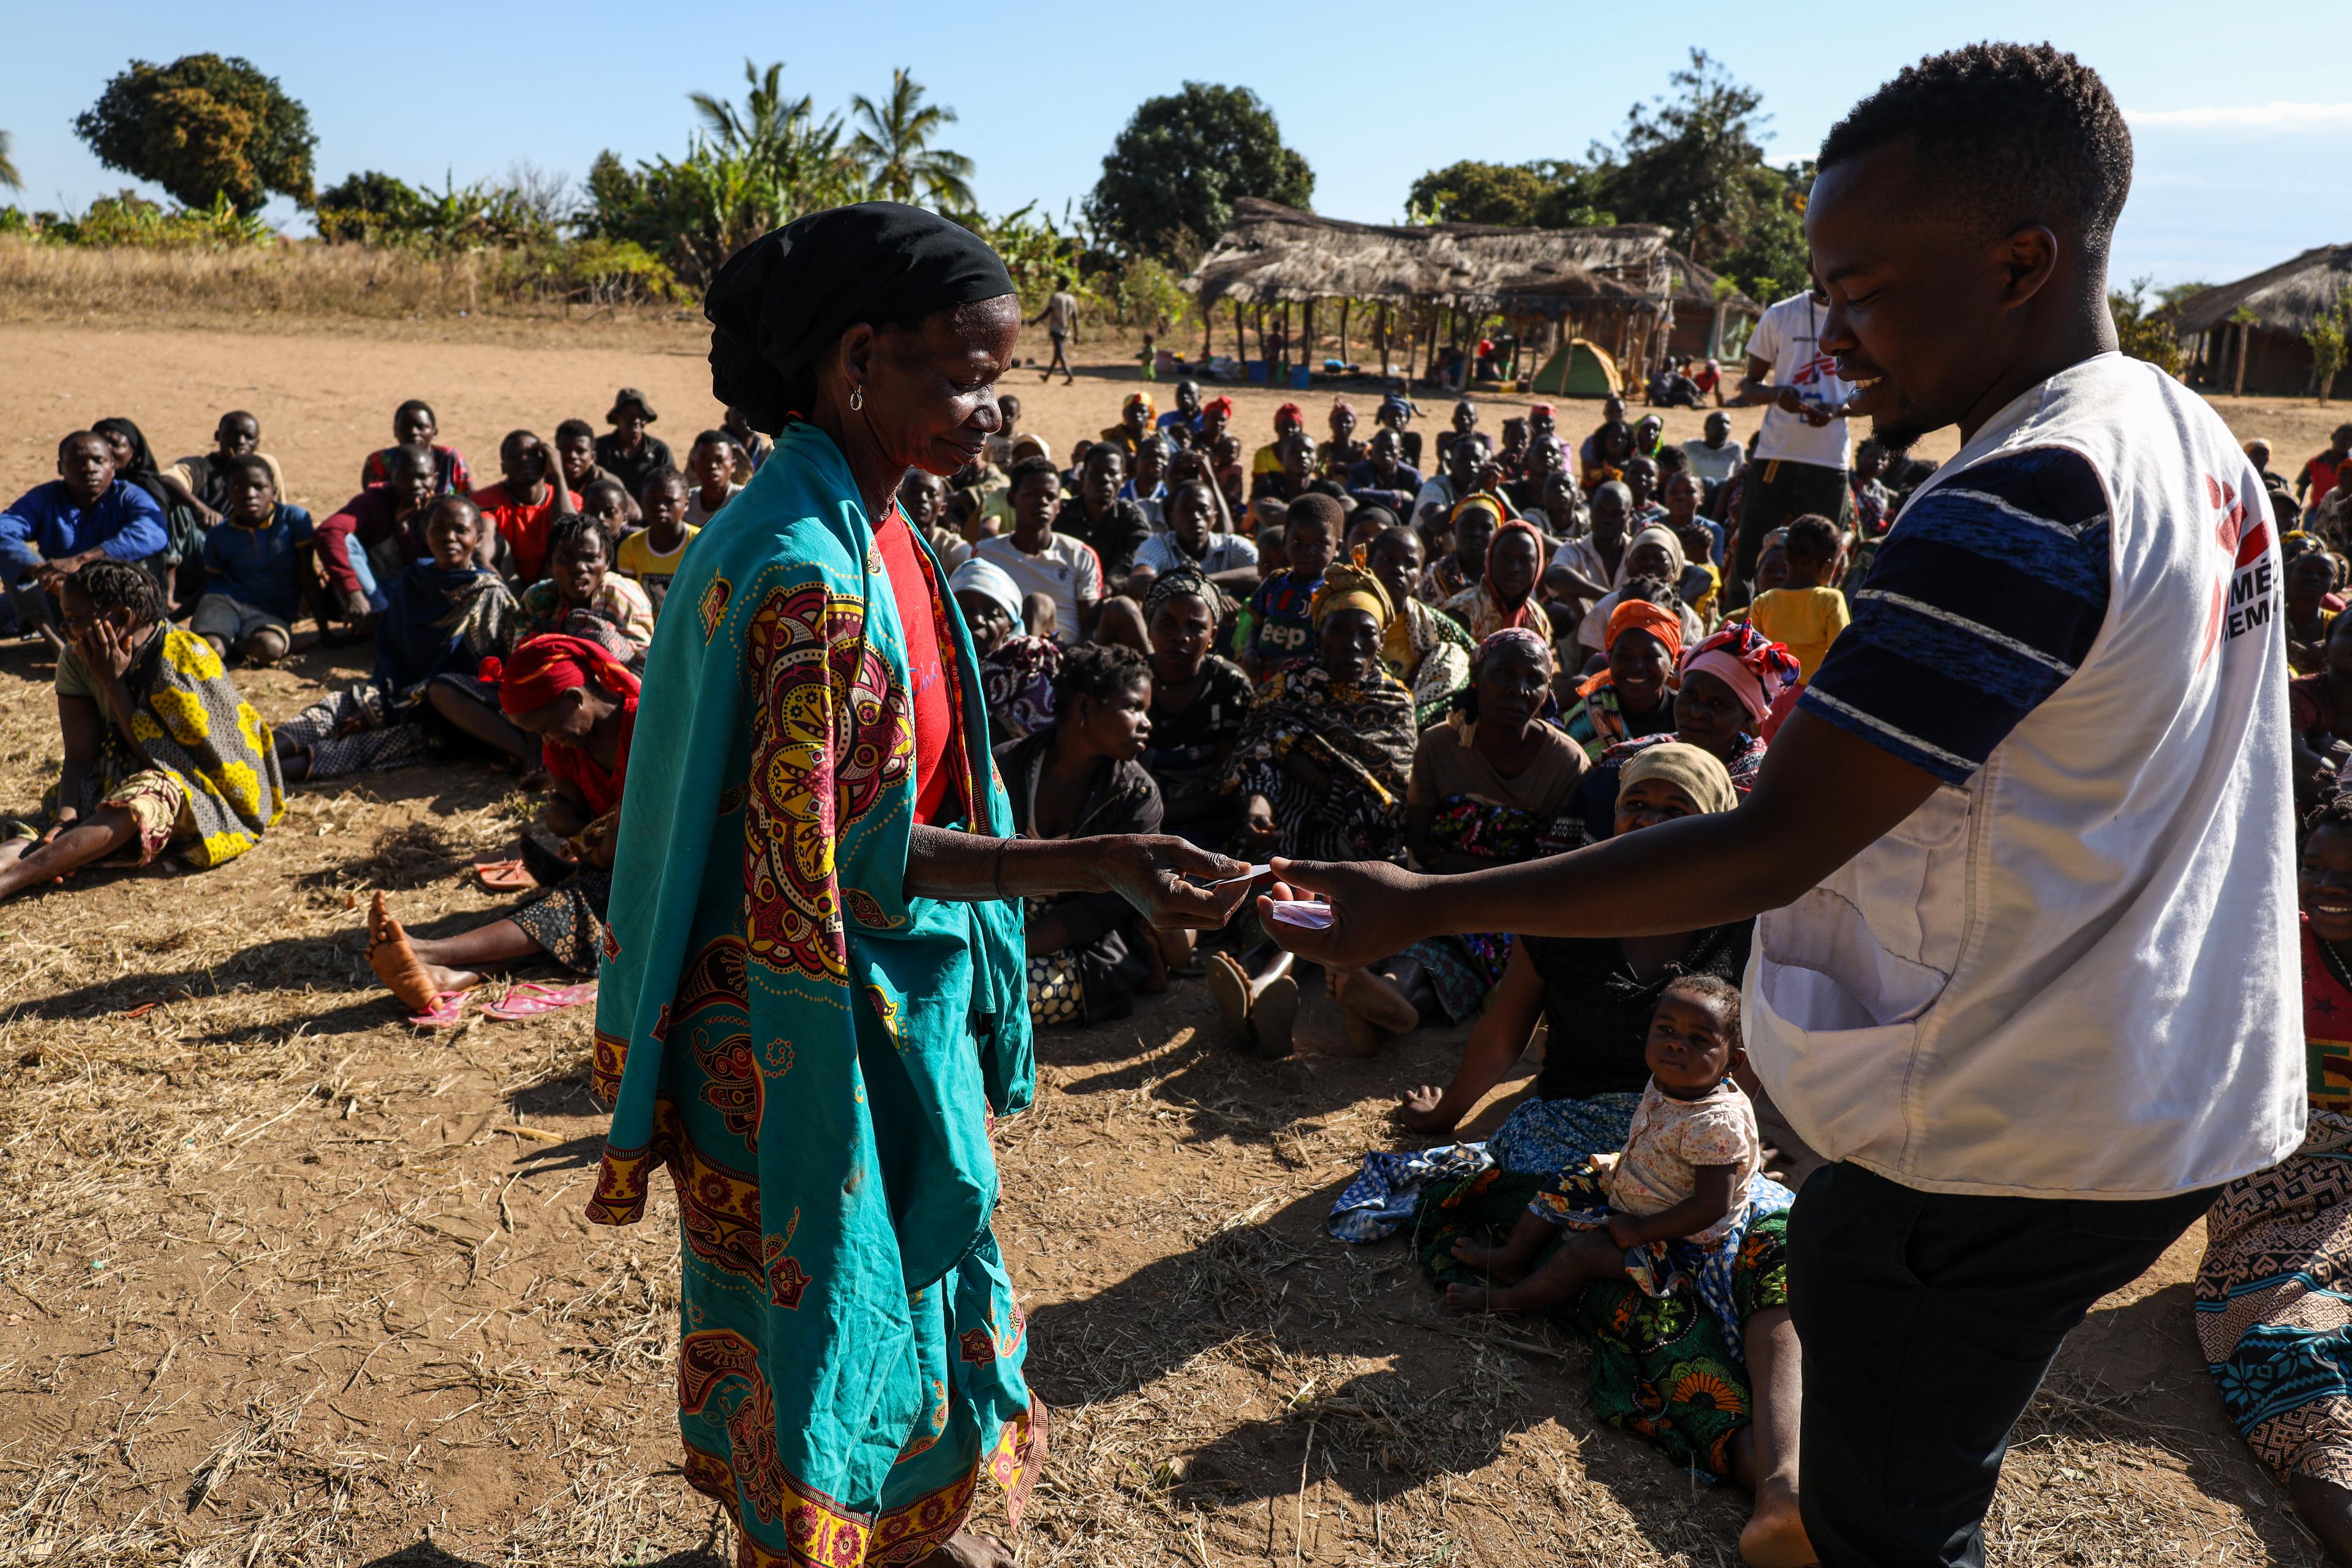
point(1580, 369)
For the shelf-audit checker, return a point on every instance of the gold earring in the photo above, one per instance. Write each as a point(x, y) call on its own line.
point(856, 398)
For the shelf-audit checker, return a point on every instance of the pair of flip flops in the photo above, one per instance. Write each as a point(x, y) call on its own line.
point(528, 1000)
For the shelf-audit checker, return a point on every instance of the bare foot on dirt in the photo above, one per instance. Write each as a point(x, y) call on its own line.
point(1497, 1263)
point(418, 985)
point(1462, 1300)
point(1774, 1537)
point(1373, 1000)
point(970, 1549)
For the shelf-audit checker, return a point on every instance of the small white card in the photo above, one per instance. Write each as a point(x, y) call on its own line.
point(1252, 875)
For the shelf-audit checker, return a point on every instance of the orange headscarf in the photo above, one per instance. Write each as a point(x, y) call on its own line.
point(1640, 615)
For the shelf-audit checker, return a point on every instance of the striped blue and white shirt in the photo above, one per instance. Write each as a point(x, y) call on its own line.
point(1983, 600)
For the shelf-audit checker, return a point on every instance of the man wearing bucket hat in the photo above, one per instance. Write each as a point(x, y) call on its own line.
point(628, 451)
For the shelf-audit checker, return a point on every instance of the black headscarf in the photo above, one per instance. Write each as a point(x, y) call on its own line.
point(141, 470)
point(785, 298)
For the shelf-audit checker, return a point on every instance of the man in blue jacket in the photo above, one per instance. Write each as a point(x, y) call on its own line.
point(82, 514)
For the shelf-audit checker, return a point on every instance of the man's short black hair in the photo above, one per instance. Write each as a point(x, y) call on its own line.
point(411, 454)
point(2015, 132)
point(113, 585)
point(662, 478)
point(1029, 469)
point(251, 463)
point(570, 428)
point(66, 445)
point(1099, 670)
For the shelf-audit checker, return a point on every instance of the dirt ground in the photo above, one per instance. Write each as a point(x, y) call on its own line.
point(282, 1280)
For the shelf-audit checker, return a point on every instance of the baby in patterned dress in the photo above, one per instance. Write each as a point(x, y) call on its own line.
point(1653, 1212)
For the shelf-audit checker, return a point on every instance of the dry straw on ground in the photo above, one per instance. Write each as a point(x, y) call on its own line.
point(282, 1281)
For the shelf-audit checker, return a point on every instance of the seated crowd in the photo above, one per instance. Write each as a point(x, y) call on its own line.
point(1318, 649)
point(509, 622)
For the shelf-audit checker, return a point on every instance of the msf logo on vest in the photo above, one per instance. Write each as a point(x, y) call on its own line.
point(2242, 599)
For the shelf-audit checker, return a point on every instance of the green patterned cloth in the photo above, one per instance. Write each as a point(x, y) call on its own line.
point(1661, 1368)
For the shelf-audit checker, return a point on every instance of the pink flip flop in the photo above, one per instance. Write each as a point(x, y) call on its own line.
point(530, 999)
point(448, 1014)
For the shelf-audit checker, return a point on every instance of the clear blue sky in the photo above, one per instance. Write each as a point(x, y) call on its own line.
point(2241, 131)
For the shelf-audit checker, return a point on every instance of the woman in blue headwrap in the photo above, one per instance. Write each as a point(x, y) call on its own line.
point(813, 1007)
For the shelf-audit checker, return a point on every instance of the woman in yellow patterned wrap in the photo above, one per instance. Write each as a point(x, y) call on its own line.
point(161, 751)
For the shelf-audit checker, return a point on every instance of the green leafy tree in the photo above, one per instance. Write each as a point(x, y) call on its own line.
point(1185, 159)
point(2140, 331)
point(893, 144)
point(1692, 162)
point(204, 127)
point(1771, 259)
point(1547, 194)
point(2326, 338)
point(9, 177)
point(369, 207)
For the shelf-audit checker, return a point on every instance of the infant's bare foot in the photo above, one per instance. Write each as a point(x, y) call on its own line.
point(1463, 1300)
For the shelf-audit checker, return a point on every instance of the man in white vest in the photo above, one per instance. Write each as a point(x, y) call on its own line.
point(2022, 857)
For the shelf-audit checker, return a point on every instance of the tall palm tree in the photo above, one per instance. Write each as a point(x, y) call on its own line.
point(782, 143)
point(767, 119)
point(893, 142)
point(9, 177)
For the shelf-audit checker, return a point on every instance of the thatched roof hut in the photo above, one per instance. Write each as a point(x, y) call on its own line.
point(1623, 282)
point(2265, 354)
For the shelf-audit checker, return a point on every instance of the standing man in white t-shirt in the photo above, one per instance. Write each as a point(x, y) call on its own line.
point(1803, 449)
point(1061, 318)
point(2029, 986)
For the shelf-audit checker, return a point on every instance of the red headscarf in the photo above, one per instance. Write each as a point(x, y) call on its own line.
point(545, 667)
point(1292, 411)
point(1224, 405)
point(543, 670)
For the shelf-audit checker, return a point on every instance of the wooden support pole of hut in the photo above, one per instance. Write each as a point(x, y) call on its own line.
point(1344, 303)
point(1241, 336)
point(1306, 336)
point(1209, 330)
point(1381, 336)
point(2238, 387)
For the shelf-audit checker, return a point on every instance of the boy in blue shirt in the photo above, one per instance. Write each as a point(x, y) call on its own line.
point(52, 531)
point(258, 561)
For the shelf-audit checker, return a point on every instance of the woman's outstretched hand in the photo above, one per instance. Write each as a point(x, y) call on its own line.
point(1151, 872)
point(1372, 912)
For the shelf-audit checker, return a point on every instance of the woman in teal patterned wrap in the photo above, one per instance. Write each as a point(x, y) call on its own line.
point(812, 1008)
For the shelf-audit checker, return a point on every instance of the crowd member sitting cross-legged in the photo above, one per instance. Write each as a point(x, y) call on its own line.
point(1017, 667)
point(202, 481)
point(371, 538)
point(1384, 478)
point(1425, 648)
point(1490, 787)
point(629, 450)
point(1321, 770)
point(85, 514)
point(710, 473)
point(259, 568)
point(575, 454)
point(1199, 703)
point(1730, 685)
point(581, 706)
point(1504, 597)
point(650, 555)
point(134, 464)
point(1276, 628)
point(1457, 549)
point(581, 595)
point(1632, 694)
point(160, 751)
point(1653, 553)
point(521, 505)
point(1079, 777)
point(1096, 517)
point(1043, 561)
point(413, 424)
point(1193, 539)
point(443, 615)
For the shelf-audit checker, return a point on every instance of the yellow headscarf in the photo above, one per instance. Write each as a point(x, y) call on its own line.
point(1350, 586)
point(1704, 782)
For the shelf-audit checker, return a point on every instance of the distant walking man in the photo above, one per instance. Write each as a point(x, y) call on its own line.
point(1061, 318)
